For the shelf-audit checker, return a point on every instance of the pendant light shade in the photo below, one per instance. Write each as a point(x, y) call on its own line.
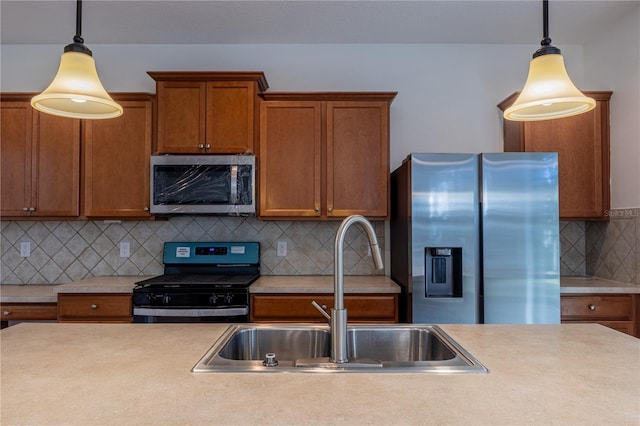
point(76, 90)
point(548, 92)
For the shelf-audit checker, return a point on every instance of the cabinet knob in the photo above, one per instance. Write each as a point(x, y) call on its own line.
point(146, 209)
point(207, 146)
point(330, 209)
point(32, 209)
point(317, 209)
point(26, 209)
point(94, 306)
point(592, 307)
point(200, 145)
point(6, 313)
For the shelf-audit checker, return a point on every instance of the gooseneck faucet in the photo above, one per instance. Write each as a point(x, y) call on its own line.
point(338, 318)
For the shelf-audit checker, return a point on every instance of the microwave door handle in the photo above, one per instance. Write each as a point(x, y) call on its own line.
point(234, 184)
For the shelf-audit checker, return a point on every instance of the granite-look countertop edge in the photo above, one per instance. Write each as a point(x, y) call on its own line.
point(28, 293)
point(353, 284)
point(593, 285)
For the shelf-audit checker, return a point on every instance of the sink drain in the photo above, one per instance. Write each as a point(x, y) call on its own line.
point(270, 360)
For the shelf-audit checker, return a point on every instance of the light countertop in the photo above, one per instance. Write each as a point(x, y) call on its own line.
point(592, 285)
point(29, 293)
point(126, 374)
point(114, 284)
point(323, 284)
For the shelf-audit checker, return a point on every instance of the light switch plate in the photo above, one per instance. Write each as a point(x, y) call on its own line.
point(282, 248)
point(125, 249)
point(25, 249)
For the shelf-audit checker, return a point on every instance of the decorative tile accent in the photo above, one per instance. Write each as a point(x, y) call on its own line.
point(69, 251)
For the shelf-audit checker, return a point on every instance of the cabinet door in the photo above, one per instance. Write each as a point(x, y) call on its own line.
point(290, 159)
point(358, 159)
point(40, 162)
point(230, 117)
point(181, 116)
point(116, 163)
point(56, 166)
point(15, 157)
point(582, 144)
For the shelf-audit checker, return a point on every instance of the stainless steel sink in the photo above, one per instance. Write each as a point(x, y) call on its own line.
point(306, 348)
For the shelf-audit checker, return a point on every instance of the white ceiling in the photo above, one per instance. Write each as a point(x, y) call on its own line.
point(308, 21)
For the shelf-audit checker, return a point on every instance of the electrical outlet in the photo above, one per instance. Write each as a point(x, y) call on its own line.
point(125, 249)
point(25, 249)
point(282, 248)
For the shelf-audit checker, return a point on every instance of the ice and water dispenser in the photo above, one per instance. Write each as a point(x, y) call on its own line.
point(443, 272)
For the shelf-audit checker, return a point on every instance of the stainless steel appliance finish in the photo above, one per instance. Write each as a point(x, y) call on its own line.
point(203, 184)
point(203, 282)
point(474, 238)
point(285, 348)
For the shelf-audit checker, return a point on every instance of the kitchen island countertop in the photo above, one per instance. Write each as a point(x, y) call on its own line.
point(103, 374)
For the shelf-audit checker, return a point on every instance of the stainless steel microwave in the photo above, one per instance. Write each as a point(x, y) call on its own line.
point(203, 184)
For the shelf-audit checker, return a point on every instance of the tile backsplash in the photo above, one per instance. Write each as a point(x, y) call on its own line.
point(69, 251)
point(64, 251)
point(609, 250)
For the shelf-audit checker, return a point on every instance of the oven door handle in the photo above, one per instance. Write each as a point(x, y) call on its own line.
point(163, 312)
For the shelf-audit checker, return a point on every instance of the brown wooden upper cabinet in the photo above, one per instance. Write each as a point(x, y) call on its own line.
point(116, 156)
point(324, 155)
point(582, 144)
point(207, 112)
point(40, 161)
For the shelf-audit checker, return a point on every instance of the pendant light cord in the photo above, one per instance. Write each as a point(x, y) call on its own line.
point(78, 38)
point(546, 47)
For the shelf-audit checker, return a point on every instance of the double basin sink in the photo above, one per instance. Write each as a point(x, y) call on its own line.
point(273, 348)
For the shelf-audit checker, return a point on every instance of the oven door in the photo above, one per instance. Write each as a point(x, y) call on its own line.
point(170, 315)
point(205, 184)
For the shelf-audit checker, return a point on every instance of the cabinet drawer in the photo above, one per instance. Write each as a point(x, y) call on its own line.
point(94, 307)
point(594, 307)
point(28, 311)
point(298, 308)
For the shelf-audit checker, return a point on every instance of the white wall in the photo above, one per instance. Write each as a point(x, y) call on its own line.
point(613, 63)
point(447, 94)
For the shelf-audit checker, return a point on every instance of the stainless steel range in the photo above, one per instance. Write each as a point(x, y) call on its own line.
point(202, 282)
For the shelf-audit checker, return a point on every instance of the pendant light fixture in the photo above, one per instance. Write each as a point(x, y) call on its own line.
point(548, 92)
point(76, 91)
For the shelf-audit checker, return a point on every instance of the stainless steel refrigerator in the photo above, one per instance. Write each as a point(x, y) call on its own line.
point(475, 238)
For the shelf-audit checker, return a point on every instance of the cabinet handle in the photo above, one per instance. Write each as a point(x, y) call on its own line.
point(592, 307)
point(6, 313)
point(94, 306)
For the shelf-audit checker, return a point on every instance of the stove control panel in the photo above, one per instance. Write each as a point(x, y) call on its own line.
point(211, 253)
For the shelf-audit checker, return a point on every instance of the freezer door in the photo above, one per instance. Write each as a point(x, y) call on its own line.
point(445, 238)
point(521, 246)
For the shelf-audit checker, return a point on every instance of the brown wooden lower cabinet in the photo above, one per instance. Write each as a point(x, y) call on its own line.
point(27, 312)
point(362, 308)
point(618, 311)
point(95, 307)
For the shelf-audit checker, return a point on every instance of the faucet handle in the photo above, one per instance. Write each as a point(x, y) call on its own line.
point(321, 309)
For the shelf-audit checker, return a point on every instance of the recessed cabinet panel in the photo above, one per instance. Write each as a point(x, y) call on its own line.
point(40, 156)
point(116, 162)
point(181, 116)
point(15, 146)
point(290, 158)
point(357, 158)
